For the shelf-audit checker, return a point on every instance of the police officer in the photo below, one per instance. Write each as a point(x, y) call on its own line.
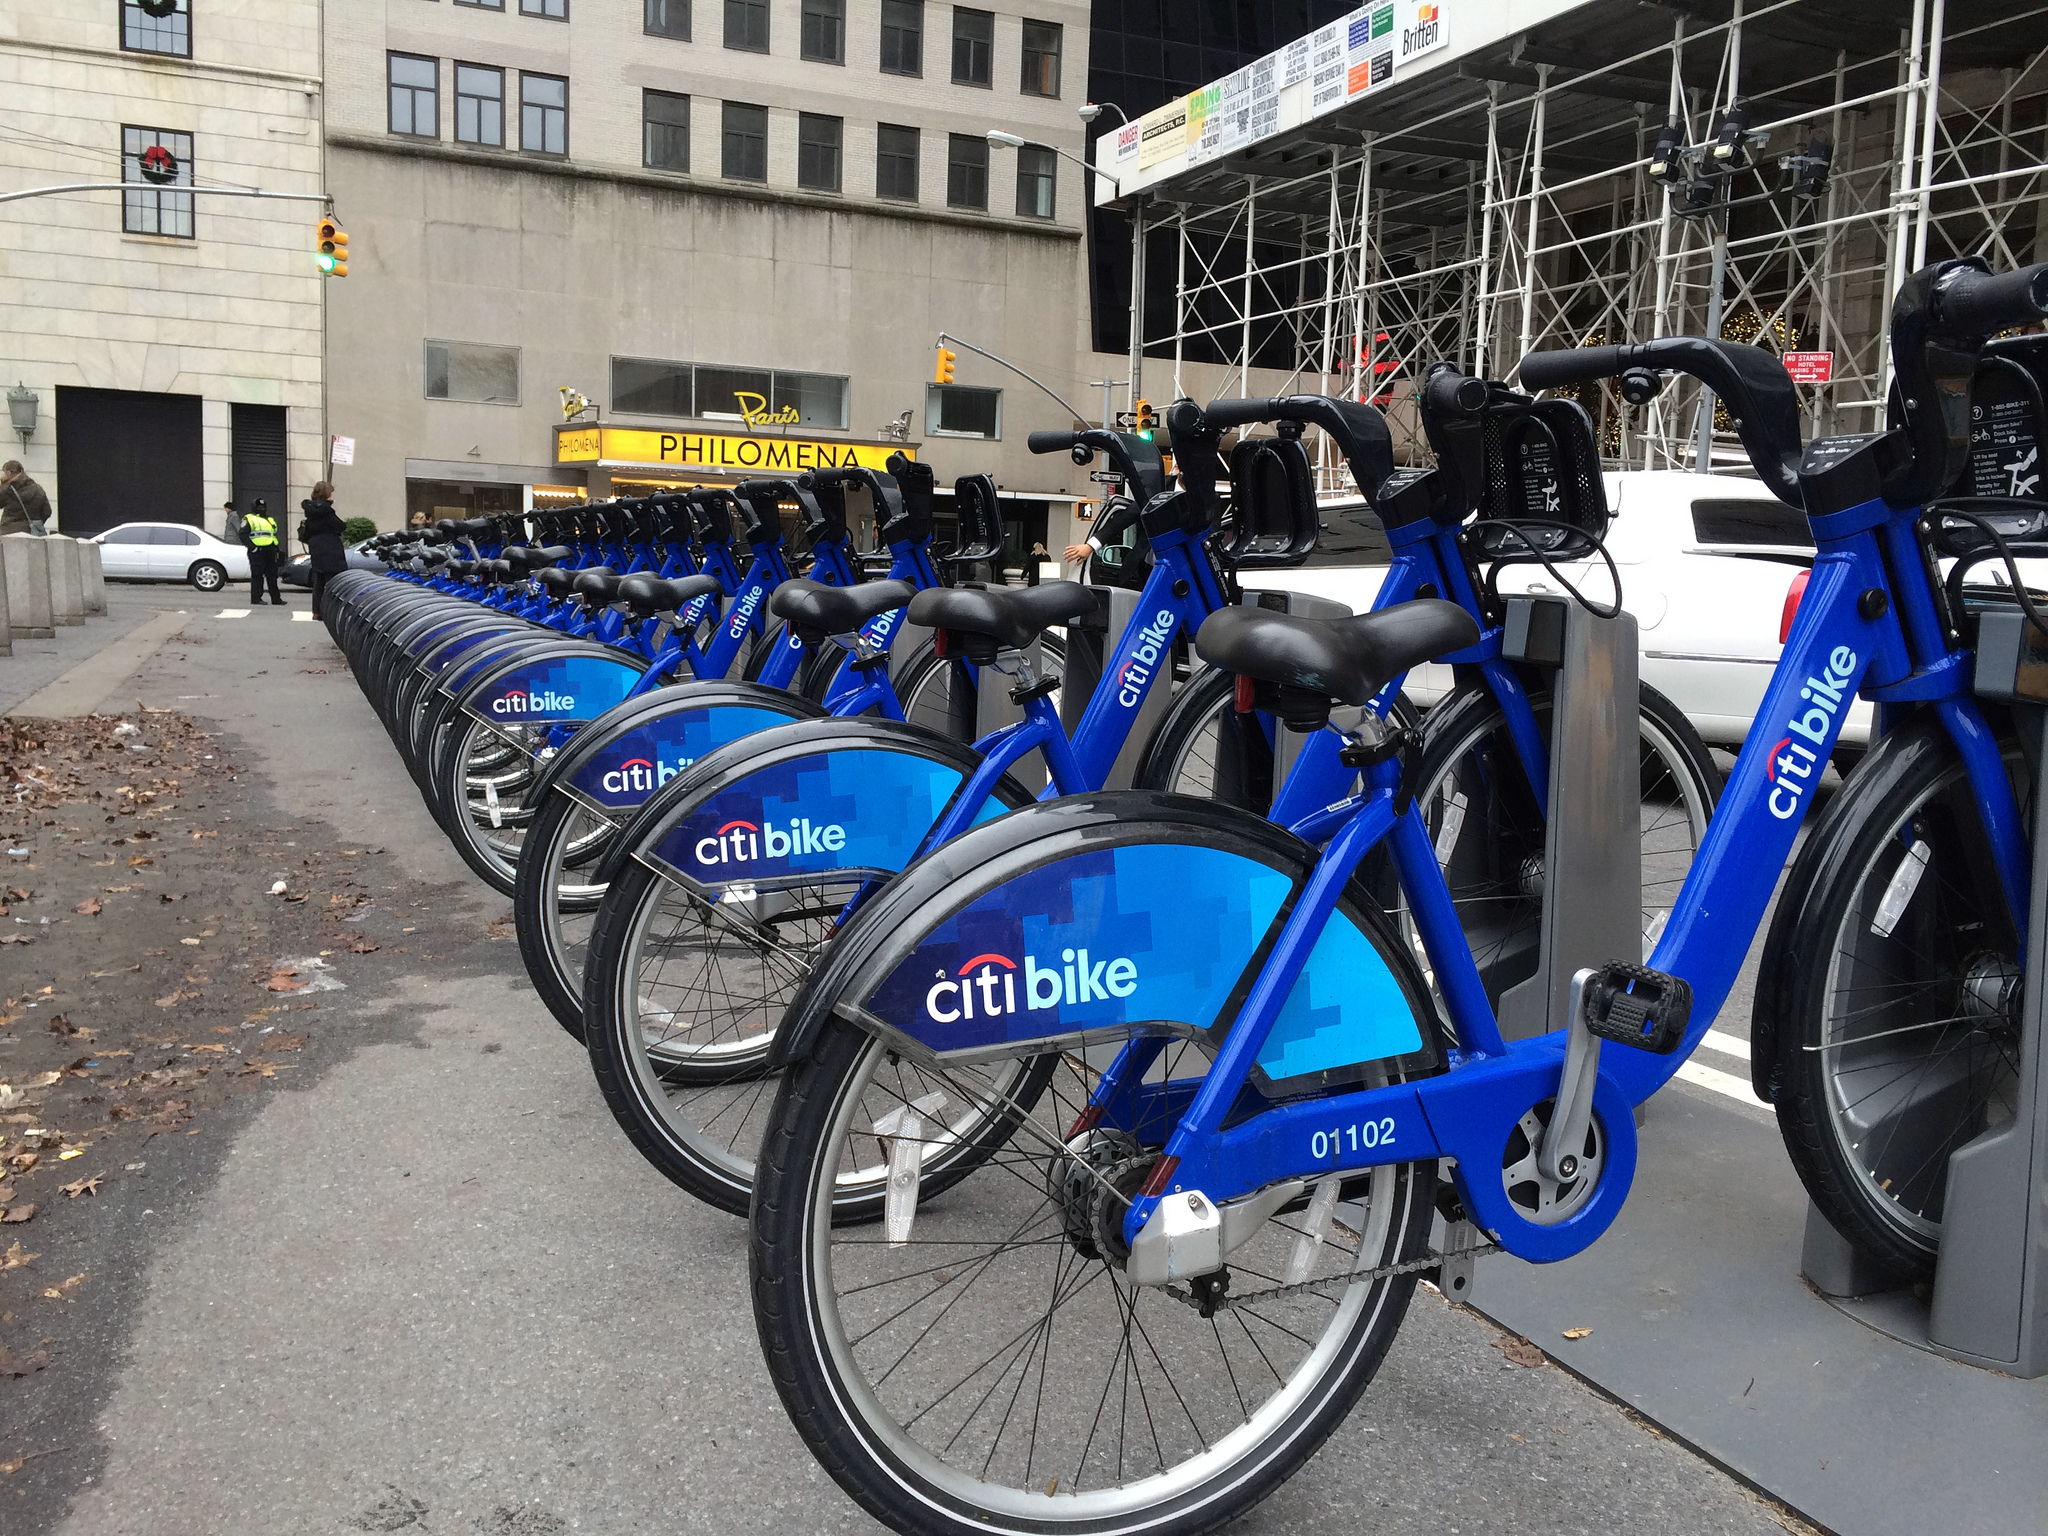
point(259, 532)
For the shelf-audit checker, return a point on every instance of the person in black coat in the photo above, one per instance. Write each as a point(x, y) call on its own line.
point(321, 534)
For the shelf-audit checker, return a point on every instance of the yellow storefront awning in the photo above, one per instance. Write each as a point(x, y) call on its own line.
point(716, 453)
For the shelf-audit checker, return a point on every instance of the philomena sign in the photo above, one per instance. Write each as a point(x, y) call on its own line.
point(738, 453)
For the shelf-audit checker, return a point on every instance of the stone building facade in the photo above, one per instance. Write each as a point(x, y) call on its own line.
point(695, 212)
point(172, 342)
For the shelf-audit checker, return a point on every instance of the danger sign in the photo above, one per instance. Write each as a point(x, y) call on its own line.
point(1810, 367)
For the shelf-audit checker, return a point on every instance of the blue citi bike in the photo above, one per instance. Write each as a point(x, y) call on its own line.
point(715, 910)
point(1156, 1105)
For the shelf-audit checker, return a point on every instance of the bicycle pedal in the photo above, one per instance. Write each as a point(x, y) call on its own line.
point(1635, 1006)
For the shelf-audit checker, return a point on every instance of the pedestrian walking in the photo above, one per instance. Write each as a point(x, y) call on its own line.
point(321, 534)
point(231, 522)
point(259, 532)
point(24, 505)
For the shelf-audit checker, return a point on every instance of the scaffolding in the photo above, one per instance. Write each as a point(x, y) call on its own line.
point(1512, 200)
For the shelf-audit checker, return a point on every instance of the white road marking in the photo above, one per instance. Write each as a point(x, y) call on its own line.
point(233, 613)
point(1724, 1083)
point(301, 618)
point(1726, 1044)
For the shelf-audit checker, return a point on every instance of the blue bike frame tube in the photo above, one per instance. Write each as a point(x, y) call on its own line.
point(748, 611)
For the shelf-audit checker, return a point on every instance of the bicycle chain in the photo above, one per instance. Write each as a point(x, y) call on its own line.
point(1226, 1302)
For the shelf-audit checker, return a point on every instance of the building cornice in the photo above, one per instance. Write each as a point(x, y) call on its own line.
point(166, 63)
point(699, 186)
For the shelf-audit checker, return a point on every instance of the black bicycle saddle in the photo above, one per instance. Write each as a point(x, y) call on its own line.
point(1349, 660)
point(817, 610)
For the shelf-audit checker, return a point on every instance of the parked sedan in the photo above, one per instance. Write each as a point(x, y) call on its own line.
point(1707, 566)
point(171, 552)
point(299, 572)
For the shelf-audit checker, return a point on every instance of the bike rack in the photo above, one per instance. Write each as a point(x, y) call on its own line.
point(1990, 1300)
point(1089, 640)
point(1593, 830)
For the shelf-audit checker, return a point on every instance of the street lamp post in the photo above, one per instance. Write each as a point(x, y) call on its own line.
point(997, 136)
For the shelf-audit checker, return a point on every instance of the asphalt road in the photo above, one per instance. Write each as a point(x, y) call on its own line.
point(430, 1287)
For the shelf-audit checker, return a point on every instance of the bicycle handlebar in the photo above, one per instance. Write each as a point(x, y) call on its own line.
point(1971, 301)
point(1358, 429)
point(1136, 459)
point(1759, 393)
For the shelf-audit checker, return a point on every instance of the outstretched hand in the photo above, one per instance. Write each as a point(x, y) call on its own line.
point(1077, 554)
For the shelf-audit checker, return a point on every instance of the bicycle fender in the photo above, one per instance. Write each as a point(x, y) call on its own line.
point(659, 734)
point(563, 682)
point(950, 915)
point(1823, 859)
point(838, 798)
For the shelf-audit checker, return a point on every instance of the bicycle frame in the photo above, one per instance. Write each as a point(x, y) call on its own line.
point(1856, 630)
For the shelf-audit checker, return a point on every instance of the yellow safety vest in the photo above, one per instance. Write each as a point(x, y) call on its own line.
point(262, 530)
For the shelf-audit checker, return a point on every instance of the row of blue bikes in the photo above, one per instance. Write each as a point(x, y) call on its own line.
point(1099, 1079)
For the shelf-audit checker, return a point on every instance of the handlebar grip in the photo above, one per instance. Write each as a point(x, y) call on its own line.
point(1450, 393)
point(1051, 442)
point(1983, 305)
point(1224, 414)
point(1571, 365)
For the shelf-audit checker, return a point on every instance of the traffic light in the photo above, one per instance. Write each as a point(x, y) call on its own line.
point(1147, 422)
point(943, 373)
point(332, 249)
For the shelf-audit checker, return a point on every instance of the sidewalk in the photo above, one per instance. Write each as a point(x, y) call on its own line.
point(36, 664)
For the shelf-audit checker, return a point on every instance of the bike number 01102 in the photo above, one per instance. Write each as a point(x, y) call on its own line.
point(1365, 1136)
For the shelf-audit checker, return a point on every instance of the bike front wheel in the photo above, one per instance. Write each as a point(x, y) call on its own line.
point(1891, 988)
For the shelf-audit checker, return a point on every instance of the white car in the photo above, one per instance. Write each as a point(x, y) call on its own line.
point(1707, 563)
point(171, 552)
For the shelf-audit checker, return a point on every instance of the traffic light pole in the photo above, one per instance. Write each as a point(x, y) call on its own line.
point(151, 186)
point(1004, 362)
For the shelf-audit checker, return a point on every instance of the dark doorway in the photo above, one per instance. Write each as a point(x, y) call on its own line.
point(259, 464)
point(126, 456)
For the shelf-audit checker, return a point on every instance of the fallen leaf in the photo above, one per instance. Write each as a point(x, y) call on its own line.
point(361, 947)
point(502, 928)
point(21, 1365)
point(282, 1043)
point(1519, 1351)
point(285, 981)
point(43, 1079)
point(19, 893)
point(140, 861)
point(1576, 1333)
point(206, 1048)
point(60, 1024)
point(14, 1258)
point(90, 907)
point(15, 1214)
point(193, 942)
point(79, 1187)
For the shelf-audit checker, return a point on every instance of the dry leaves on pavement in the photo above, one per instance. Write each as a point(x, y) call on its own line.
point(1519, 1352)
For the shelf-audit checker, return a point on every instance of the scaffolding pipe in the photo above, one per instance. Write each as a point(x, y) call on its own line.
point(1536, 131)
point(1930, 132)
point(1482, 348)
point(1137, 338)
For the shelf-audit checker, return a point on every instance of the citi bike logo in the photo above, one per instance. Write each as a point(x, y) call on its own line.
point(980, 984)
point(740, 842)
point(638, 774)
point(1144, 662)
point(1794, 764)
point(522, 702)
point(745, 611)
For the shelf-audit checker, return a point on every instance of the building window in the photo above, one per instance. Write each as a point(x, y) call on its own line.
point(156, 157)
point(667, 18)
point(974, 46)
point(553, 10)
point(824, 31)
point(665, 131)
point(1035, 183)
point(415, 95)
point(544, 114)
point(817, 151)
point(902, 37)
point(1041, 58)
point(479, 104)
point(746, 25)
point(644, 386)
point(461, 370)
point(960, 410)
point(819, 398)
point(896, 162)
point(647, 386)
point(745, 148)
point(966, 171)
point(483, 5)
point(145, 33)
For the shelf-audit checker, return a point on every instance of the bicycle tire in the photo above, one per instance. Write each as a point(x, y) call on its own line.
point(1867, 1132)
